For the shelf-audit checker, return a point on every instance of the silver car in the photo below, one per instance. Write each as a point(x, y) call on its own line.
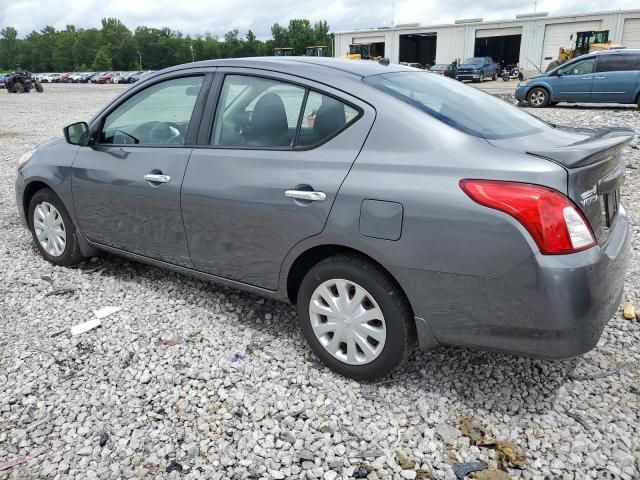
point(392, 207)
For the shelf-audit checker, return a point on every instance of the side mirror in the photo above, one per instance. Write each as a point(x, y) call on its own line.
point(77, 134)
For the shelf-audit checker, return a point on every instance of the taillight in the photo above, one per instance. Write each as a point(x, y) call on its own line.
point(554, 222)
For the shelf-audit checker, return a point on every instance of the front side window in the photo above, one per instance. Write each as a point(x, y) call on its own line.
point(460, 106)
point(257, 112)
point(617, 63)
point(158, 115)
point(582, 67)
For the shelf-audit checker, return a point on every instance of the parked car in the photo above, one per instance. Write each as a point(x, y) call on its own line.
point(610, 76)
point(374, 197)
point(140, 75)
point(413, 65)
point(477, 69)
point(444, 69)
point(3, 80)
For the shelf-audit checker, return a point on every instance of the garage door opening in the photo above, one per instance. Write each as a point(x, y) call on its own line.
point(504, 49)
point(418, 48)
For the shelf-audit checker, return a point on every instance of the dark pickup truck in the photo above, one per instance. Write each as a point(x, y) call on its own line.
point(477, 69)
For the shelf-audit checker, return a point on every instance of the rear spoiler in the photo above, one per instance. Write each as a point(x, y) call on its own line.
point(602, 144)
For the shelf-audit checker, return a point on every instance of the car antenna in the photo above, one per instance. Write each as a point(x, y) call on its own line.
point(384, 61)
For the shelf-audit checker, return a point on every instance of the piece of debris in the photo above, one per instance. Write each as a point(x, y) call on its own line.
point(174, 467)
point(607, 475)
point(424, 475)
point(461, 470)
point(607, 373)
point(508, 454)
point(476, 432)
point(60, 291)
point(578, 419)
point(57, 334)
point(18, 460)
point(362, 471)
point(635, 390)
point(629, 311)
point(47, 278)
point(85, 327)
point(404, 461)
point(104, 438)
point(491, 475)
point(238, 357)
point(316, 365)
point(106, 311)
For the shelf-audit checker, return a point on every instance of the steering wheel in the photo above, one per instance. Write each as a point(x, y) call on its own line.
point(166, 133)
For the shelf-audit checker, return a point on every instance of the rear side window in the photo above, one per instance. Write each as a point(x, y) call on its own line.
point(581, 67)
point(618, 63)
point(256, 112)
point(323, 117)
point(460, 106)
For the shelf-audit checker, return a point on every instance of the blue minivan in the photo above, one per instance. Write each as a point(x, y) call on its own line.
point(611, 76)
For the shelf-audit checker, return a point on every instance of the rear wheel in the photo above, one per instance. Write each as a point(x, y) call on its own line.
point(38, 87)
point(18, 88)
point(53, 230)
point(538, 98)
point(354, 317)
point(494, 77)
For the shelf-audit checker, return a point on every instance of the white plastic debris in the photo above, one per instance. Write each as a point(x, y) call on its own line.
point(85, 327)
point(106, 311)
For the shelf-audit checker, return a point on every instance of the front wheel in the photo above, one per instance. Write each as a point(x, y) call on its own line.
point(538, 98)
point(354, 317)
point(494, 77)
point(505, 77)
point(53, 230)
point(38, 87)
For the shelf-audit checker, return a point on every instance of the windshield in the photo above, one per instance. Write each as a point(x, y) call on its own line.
point(460, 106)
point(439, 67)
point(474, 61)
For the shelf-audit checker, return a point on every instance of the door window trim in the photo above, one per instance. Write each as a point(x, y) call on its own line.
point(211, 109)
point(196, 116)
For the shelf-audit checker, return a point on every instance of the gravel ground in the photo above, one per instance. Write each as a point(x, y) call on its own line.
point(191, 380)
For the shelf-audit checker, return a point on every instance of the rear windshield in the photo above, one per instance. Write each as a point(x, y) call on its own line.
point(474, 61)
point(461, 106)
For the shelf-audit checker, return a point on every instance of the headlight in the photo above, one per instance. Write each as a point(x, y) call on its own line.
point(523, 83)
point(24, 159)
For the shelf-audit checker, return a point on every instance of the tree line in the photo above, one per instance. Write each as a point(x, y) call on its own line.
point(115, 47)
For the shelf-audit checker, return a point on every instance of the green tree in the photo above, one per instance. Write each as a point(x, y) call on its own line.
point(103, 60)
point(8, 48)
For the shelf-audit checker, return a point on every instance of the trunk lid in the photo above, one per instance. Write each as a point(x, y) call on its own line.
point(594, 162)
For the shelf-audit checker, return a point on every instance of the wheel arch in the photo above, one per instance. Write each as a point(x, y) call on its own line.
point(30, 190)
point(313, 255)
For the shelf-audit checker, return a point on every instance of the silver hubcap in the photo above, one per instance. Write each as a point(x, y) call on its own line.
point(537, 97)
point(347, 322)
point(49, 228)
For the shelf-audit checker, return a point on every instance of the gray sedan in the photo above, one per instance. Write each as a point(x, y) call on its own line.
point(392, 207)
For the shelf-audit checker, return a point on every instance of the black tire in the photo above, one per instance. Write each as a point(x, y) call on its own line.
point(38, 87)
point(505, 77)
point(71, 254)
point(18, 88)
point(538, 98)
point(494, 77)
point(398, 318)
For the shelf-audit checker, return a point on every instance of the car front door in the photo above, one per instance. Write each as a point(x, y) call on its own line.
point(267, 177)
point(573, 82)
point(616, 78)
point(126, 186)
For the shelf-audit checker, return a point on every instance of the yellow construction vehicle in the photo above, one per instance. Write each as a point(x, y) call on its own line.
point(316, 51)
point(360, 51)
point(587, 42)
point(283, 52)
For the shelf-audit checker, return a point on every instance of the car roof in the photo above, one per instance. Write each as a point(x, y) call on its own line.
point(617, 51)
point(322, 66)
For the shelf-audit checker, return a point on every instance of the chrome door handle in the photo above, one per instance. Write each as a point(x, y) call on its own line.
point(587, 78)
point(304, 195)
point(601, 78)
point(157, 178)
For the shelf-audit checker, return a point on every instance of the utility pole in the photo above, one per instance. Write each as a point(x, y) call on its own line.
point(393, 13)
point(139, 60)
point(193, 57)
point(535, 6)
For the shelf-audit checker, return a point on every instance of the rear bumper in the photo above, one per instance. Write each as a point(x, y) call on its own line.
point(468, 76)
point(547, 307)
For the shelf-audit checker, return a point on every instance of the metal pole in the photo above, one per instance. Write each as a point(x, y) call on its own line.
point(139, 60)
point(193, 57)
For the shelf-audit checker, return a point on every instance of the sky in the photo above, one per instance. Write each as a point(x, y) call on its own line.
point(220, 16)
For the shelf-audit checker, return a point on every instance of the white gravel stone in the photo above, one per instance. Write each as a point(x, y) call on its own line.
point(222, 383)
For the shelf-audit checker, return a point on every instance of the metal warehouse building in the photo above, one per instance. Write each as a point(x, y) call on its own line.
point(532, 40)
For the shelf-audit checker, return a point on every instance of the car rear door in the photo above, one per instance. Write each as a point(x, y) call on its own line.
point(266, 172)
point(616, 78)
point(573, 82)
point(126, 186)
